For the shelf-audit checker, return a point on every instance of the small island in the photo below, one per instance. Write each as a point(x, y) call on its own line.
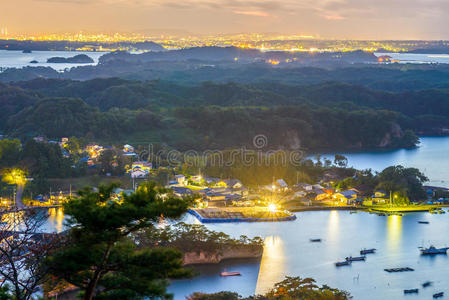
point(200, 245)
point(77, 59)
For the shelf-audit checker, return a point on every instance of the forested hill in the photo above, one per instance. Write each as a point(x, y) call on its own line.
point(394, 77)
point(222, 115)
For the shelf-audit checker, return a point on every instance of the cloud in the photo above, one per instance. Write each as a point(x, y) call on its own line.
point(332, 17)
point(251, 13)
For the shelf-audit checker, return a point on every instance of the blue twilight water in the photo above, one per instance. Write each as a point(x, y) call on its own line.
point(17, 59)
point(414, 58)
point(289, 252)
point(431, 157)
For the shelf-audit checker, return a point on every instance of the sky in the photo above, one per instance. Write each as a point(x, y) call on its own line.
point(348, 19)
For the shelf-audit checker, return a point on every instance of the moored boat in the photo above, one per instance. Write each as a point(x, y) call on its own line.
point(225, 274)
point(367, 251)
point(438, 295)
point(411, 291)
point(357, 258)
point(427, 284)
point(434, 251)
point(343, 263)
point(423, 222)
point(315, 240)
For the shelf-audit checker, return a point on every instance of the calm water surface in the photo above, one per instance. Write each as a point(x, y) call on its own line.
point(289, 252)
point(415, 58)
point(17, 59)
point(431, 157)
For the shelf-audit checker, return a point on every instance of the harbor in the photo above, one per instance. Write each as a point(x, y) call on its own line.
point(389, 242)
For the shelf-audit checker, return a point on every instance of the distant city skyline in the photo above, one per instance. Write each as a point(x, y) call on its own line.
point(341, 19)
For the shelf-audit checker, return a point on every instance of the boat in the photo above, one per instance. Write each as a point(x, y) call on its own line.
point(226, 274)
point(411, 291)
point(358, 258)
point(353, 212)
point(438, 295)
point(423, 222)
point(381, 214)
point(367, 251)
point(343, 263)
point(315, 240)
point(427, 284)
point(433, 251)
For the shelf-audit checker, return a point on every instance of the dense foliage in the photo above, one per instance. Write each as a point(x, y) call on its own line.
point(194, 238)
point(101, 259)
point(312, 117)
point(288, 289)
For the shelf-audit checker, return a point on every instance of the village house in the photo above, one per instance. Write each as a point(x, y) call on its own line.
point(128, 148)
point(181, 192)
point(138, 173)
point(345, 196)
point(230, 183)
point(94, 150)
point(380, 194)
point(281, 185)
point(321, 195)
point(181, 179)
point(215, 199)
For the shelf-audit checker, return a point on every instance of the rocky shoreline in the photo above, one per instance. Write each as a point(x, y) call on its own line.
point(203, 257)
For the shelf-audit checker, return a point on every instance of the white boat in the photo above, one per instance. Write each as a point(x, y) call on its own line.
point(433, 251)
point(225, 274)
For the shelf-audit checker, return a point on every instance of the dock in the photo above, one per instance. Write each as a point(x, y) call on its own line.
point(395, 270)
point(240, 214)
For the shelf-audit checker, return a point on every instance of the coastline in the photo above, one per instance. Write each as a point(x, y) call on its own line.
point(235, 252)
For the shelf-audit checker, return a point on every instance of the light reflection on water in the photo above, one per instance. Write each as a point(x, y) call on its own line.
point(394, 233)
point(56, 218)
point(272, 265)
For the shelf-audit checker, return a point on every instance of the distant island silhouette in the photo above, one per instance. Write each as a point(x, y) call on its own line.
point(77, 59)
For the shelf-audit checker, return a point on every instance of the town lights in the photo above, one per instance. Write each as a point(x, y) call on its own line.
point(272, 207)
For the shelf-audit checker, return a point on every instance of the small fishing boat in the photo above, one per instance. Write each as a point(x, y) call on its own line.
point(427, 284)
point(353, 212)
point(343, 263)
point(367, 251)
point(438, 295)
point(423, 222)
point(315, 240)
point(411, 291)
point(358, 258)
point(226, 274)
point(433, 251)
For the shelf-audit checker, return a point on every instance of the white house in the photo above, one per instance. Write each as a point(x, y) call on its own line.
point(181, 179)
point(138, 173)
